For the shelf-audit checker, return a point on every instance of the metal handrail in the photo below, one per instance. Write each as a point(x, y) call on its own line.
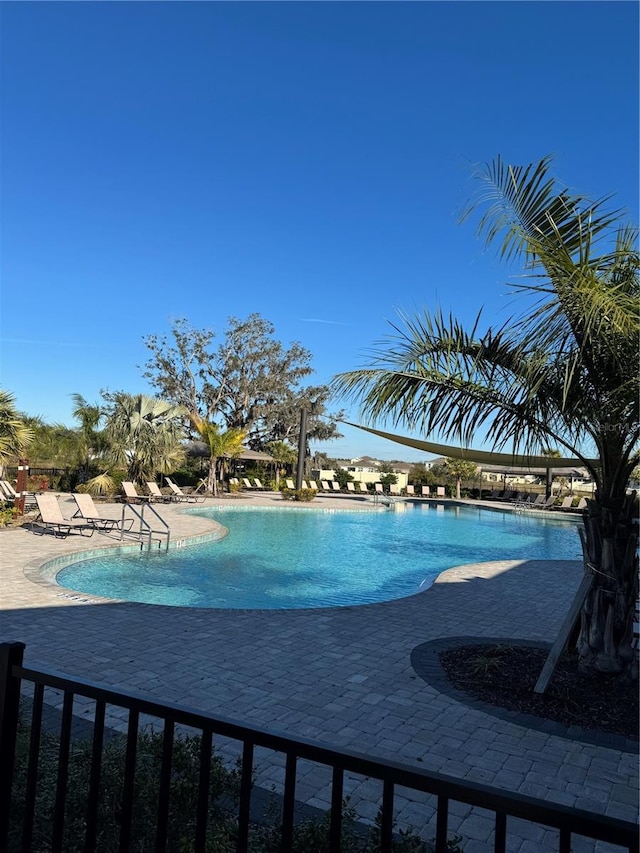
point(380, 497)
point(148, 529)
point(503, 804)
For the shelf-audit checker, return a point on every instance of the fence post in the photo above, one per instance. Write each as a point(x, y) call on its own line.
point(11, 654)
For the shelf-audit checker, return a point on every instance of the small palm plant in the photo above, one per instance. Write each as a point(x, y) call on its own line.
point(220, 445)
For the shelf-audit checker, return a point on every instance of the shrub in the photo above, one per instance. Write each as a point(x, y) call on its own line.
point(38, 483)
point(303, 495)
point(310, 836)
point(8, 515)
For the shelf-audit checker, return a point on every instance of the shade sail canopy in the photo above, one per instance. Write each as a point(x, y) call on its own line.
point(480, 457)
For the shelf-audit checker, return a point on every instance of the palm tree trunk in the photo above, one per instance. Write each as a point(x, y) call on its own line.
point(212, 482)
point(606, 641)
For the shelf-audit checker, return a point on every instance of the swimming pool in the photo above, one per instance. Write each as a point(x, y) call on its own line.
point(298, 558)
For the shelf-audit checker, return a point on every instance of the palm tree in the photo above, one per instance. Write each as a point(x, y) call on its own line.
point(220, 445)
point(562, 374)
point(15, 434)
point(145, 435)
point(284, 455)
point(91, 442)
point(459, 470)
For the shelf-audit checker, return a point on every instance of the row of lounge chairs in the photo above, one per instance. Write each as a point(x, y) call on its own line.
point(332, 486)
point(8, 493)
point(522, 500)
point(86, 519)
point(131, 494)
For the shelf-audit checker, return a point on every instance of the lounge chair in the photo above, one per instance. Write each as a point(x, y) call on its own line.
point(156, 495)
point(441, 491)
point(566, 503)
point(363, 487)
point(179, 496)
point(545, 503)
point(394, 489)
point(410, 490)
point(131, 495)
point(88, 512)
point(335, 486)
point(305, 485)
point(582, 504)
point(378, 488)
point(351, 487)
point(426, 491)
point(325, 486)
point(51, 518)
point(313, 485)
point(247, 483)
point(8, 493)
point(290, 485)
point(258, 484)
point(539, 500)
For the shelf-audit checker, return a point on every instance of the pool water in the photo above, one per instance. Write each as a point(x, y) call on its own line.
point(296, 558)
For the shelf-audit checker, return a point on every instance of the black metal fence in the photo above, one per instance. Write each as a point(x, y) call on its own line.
point(568, 822)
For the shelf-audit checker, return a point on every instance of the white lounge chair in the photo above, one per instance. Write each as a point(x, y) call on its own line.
point(8, 493)
point(313, 485)
point(290, 485)
point(378, 488)
point(426, 491)
point(566, 503)
point(363, 487)
point(132, 495)
point(325, 486)
point(394, 489)
point(51, 518)
point(335, 485)
point(441, 492)
point(88, 512)
point(181, 497)
point(156, 495)
point(351, 487)
point(410, 489)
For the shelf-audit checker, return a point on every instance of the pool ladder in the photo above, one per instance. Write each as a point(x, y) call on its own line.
point(385, 500)
point(145, 529)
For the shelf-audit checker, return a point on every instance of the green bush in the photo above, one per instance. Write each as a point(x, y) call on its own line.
point(303, 495)
point(8, 515)
point(311, 836)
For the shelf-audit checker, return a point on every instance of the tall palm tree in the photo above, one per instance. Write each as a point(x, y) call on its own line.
point(145, 435)
point(220, 444)
point(90, 440)
point(563, 374)
point(15, 434)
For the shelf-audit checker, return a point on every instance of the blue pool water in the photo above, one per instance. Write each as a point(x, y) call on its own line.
point(292, 558)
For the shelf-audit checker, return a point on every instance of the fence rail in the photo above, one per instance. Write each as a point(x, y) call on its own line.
point(568, 821)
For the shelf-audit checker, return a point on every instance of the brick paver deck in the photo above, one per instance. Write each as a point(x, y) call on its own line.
point(342, 676)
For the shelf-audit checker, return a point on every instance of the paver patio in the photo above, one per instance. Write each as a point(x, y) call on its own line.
point(342, 676)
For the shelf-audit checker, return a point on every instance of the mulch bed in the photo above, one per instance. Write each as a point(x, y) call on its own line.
point(504, 675)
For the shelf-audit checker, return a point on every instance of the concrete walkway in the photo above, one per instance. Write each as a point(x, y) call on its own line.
point(342, 676)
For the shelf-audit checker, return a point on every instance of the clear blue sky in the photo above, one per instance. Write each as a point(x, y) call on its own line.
point(307, 161)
